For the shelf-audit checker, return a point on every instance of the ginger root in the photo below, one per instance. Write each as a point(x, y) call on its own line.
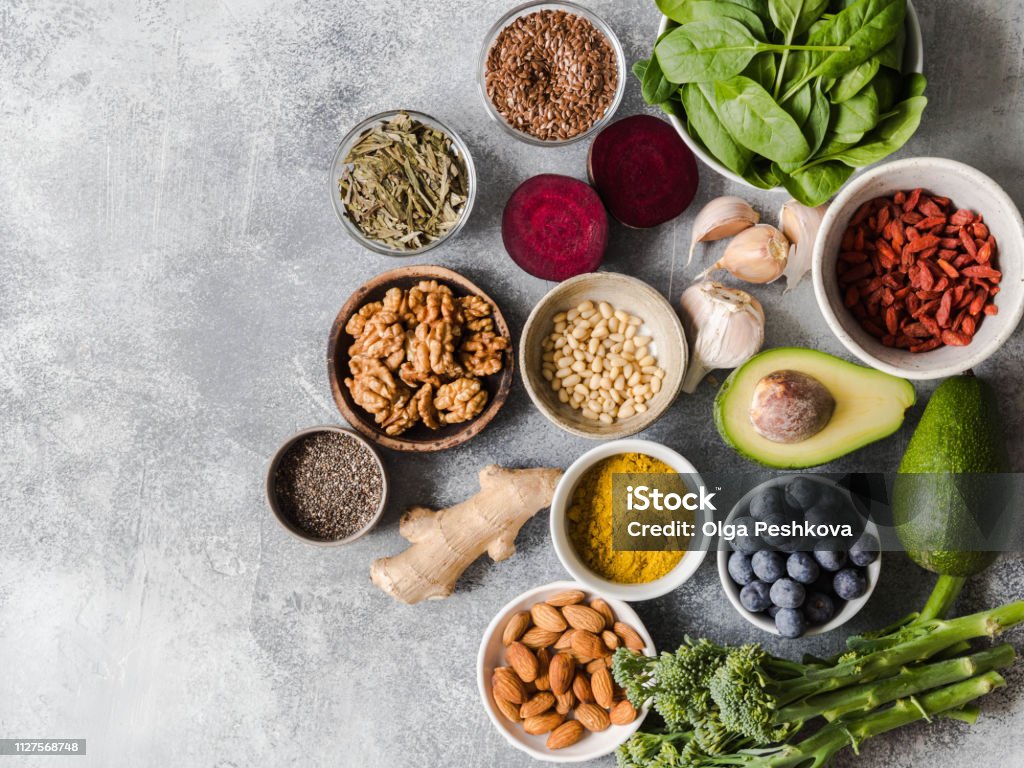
point(446, 541)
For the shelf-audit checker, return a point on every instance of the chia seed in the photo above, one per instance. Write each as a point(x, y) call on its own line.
point(329, 485)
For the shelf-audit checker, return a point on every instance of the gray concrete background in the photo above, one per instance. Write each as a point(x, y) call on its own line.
point(171, 266)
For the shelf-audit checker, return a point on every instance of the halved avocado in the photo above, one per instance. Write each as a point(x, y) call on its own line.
point(869, 405)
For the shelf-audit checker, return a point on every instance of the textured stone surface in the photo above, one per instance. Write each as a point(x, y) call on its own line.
point(171, 268)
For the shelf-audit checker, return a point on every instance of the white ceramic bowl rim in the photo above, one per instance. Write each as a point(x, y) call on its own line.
point(566, 552)
point(600, 744)
point(732, 591)
point(967, 357)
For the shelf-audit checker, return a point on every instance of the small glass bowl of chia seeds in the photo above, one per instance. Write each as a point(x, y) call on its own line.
point(326, 485)
point(402, 183)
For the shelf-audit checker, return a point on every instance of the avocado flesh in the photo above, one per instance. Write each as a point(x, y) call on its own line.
point(942, 479)
point(869, 406)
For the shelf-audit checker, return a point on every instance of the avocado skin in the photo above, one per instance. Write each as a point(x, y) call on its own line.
point(959, 439)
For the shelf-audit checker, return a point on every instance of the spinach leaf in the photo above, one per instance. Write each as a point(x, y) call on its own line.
point(850, 84)
point(859, 114)
point(762, 69)
point(888, 87)
point(654, 86)
point(816, 126)
point(709, 10)
point(763, 174)
point(817, 185)
point(794, 17)
point(758, 122)
point(799, 104)
point(892, 55)
point(704, 122)
point(706, 51)
point(916, 83)
point(866, 27)
point(887, 137)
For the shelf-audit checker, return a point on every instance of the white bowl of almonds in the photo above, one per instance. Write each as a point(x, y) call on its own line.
point(544, 673)
point(603, 355)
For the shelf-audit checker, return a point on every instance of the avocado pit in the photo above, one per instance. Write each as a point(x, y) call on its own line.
point(790, 407)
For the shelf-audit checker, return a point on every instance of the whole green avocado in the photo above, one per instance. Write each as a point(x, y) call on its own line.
point(941, 481)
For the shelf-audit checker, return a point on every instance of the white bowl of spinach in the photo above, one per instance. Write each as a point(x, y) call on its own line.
point(788, 93)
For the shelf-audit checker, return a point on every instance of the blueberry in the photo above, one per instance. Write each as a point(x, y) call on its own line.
point(755, 596)
point(776, 540)
point(865, 551)
point(802, 492)
point(849, 583)
point(768, 566)
point(790, 622)
point(791, 545)
point(802, 567)
point(820, 515)
point(787, 593)
point(739, 568)
point(829, 559)
point(819, 608)
point(767, 502)
point(773, 610)
point(747, 543)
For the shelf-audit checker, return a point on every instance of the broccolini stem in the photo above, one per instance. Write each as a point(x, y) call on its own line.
point(908, 682)
point(947, 590)
point(924, 641)
point(852, 731)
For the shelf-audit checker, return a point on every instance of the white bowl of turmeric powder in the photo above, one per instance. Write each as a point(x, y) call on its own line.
point(650, 540)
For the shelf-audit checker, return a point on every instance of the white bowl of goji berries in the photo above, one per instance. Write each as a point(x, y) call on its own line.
point(919, 267)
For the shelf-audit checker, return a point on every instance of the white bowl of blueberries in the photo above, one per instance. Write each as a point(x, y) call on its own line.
point(794, 586)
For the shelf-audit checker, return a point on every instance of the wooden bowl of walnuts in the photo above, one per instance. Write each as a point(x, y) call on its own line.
point(420, 359)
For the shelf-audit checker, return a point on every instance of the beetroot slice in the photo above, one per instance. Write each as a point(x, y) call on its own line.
point(644, 172)
point(555, 227)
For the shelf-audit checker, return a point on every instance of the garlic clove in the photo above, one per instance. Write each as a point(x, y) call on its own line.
point(800, 224)
point(721, 218)
point(724, 328)
point(755, 255)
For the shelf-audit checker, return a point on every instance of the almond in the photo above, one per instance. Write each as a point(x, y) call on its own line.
point(565, 735)
point(610, 639)
point(604, 609)
point(505, 684)
point(592, 716)
point(560, 672)
point(568, 597)
point(522, 660)
point(564, 702)
point(588, 644)
point(515, 627)
point(582, 617)
point(548, 617)
point(629, 636)
point(542, 723)
point(507, 708)
point(581, 687)
point(601, 685)
point(537, 638)
point(622, 713)
point(595, 665)
point(565, 640)
point(538, 705)
point(543, 660)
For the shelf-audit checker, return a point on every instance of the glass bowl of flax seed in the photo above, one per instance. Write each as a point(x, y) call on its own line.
point(326, 485)
point(551, 73)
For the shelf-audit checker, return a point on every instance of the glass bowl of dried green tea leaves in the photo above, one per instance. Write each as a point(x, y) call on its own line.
point(402, 183)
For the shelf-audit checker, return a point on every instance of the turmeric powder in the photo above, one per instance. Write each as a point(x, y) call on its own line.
point(590, 523)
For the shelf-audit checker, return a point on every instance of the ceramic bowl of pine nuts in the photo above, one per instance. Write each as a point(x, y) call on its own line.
point(569, 710)
point(603, 355)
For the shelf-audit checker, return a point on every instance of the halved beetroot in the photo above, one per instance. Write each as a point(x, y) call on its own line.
point(555, 227)
point(643, 171)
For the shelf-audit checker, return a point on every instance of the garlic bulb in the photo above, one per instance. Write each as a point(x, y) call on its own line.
point(724, 328)
point(756, 255)
point(800, 225)
point(722, 217)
